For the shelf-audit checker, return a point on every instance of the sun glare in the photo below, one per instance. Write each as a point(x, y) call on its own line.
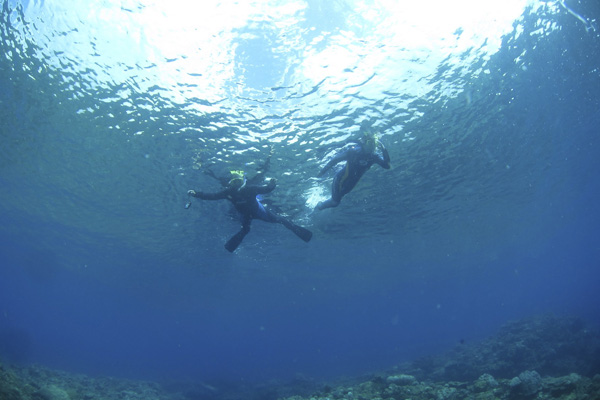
point(192, 49)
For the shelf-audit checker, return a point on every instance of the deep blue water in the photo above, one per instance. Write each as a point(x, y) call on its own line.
point(489, 213)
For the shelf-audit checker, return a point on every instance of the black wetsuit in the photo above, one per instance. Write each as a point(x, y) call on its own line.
point(245, 201)
point(358, 161)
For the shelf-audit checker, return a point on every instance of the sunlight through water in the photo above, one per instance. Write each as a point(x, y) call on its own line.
point(219, 54)
point(158, 94)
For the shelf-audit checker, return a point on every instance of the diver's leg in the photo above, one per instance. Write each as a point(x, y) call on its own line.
point(299, 231)
point(336, 193)
point(236, 239)
point(329, 203)
point(269, 216)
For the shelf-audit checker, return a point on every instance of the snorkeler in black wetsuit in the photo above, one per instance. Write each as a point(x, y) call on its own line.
point(244, 198)
point(359, 158)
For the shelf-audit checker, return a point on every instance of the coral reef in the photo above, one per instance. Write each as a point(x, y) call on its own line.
point(39, 383)
point(547, 344)
point(544, 357)
point(572, 387)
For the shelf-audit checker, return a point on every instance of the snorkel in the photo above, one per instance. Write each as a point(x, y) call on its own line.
point(238, 179)
point(370, 141)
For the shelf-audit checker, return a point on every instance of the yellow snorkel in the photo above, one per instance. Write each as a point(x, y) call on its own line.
point(370, 140)
point(237, 179)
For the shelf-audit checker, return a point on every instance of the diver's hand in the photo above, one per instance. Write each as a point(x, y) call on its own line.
point(192, 193)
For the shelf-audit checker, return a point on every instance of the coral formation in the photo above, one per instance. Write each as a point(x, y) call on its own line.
point(545, 357)
point(548, 344)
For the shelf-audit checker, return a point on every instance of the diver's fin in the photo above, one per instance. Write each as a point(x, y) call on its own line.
point(235, 241)
point(301, 232)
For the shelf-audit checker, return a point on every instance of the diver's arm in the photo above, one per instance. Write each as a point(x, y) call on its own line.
point(338, 158)
point(384, 161)
point(208, 196)
point(264, 189)
point(222, 180)
point(262, 170)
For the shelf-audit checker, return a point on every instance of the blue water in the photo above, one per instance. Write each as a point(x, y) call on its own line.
point(489, 213)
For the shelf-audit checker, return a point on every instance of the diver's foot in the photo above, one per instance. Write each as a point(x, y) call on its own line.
point(327, 204)
point(301, 232)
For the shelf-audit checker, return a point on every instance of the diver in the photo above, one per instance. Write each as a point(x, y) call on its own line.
point(359, 157)
point(243, 196)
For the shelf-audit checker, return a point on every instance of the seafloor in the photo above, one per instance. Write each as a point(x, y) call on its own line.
point(543, 357)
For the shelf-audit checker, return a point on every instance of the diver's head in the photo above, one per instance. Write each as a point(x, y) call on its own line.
point(370, 141)
point(238, 179)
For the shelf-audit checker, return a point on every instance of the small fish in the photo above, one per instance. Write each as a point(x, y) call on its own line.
point(188, 205)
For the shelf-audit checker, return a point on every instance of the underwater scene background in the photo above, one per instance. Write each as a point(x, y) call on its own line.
point(110, 111)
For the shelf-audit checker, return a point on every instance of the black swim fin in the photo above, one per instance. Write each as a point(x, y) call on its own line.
point(301, 232)
point(235, 241)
